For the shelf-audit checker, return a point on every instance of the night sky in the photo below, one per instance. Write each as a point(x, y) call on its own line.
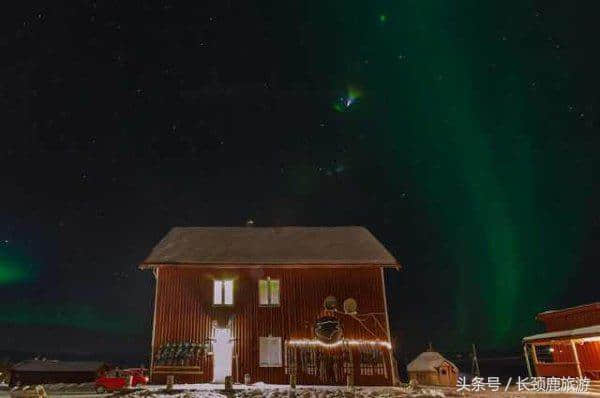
point(464, 136)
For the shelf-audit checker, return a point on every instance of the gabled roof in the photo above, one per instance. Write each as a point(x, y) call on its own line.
point(571, 310)
point(260, 246)
point(428, 361)
point(38, 365)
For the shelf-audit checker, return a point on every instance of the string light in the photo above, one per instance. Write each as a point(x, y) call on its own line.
point(590, 339)
point(309, 342)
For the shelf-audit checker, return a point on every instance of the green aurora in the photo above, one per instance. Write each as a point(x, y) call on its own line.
point(470, 103)
point(19, 271)
point(478, 110)
point(464, 135)
point(14, 267)
point(67, 315)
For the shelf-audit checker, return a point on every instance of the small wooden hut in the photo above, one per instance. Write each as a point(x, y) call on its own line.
point(37, 371)
point(431, 368)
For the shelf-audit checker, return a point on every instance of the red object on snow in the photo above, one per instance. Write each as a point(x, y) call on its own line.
point(117, 379)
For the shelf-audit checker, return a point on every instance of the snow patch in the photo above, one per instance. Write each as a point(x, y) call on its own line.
point(262, 390)
point(340, 392)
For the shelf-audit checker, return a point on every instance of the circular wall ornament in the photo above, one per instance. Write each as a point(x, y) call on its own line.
point(330, 303)
point(328, 329)
point(350, 306)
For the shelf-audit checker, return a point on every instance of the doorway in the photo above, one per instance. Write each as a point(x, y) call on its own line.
point(444, 379)
point(222, 354)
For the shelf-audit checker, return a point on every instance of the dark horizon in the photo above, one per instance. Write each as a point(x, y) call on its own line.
point(464, 137)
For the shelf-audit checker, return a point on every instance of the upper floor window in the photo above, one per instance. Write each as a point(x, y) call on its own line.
point(223, 292)
point(268, 291)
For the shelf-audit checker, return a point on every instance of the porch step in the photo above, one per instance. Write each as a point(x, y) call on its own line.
point(594, 386)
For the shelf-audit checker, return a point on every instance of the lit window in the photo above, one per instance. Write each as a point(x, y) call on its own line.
point(268, 291)
point(270, 352)
point(218, 292)
point(223, 292)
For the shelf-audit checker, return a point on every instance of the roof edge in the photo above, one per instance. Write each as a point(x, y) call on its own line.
point(390, 262)
point(151, 265)
point(573, 334)
point(556, 313)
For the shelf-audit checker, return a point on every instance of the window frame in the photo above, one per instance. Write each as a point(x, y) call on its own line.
point(269, 339)
point(223, 294)
point(269, 298)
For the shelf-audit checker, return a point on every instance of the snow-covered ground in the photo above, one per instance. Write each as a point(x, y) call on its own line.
point(261, 390)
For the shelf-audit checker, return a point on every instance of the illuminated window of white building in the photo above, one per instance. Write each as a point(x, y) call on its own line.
point(223, 292)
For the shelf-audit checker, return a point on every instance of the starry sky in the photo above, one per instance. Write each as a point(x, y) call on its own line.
point(464, 135)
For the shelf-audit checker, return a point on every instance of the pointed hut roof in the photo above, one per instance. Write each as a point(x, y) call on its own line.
point(428, 361)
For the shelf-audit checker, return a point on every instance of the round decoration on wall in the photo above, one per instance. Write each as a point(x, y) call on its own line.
point(330, 303)
point(350, 306)
point(328, 329)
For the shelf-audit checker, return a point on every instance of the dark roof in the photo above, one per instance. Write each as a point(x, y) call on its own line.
point(570, 310)
point(38, 365)
point(257, 246)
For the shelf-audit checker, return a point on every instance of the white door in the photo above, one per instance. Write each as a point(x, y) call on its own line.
point(222, 354)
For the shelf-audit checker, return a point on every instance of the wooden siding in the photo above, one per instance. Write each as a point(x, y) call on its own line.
point(556, 370)
point(564, 362)
point(184, 312)
point(572, 318)
point(589, 356)
point(446, 375)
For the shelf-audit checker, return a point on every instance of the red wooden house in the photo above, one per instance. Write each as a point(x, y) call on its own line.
point(261, 304)
point(571, 345)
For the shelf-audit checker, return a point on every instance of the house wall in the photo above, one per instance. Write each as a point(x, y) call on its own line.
point(424, 378)
point(556, 370)
point(439, 378)
point(184, 312)
point(450, 378)
point(563, 359)
point(589, 357)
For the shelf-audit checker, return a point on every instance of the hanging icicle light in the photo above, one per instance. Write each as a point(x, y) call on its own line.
point(309, 342)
